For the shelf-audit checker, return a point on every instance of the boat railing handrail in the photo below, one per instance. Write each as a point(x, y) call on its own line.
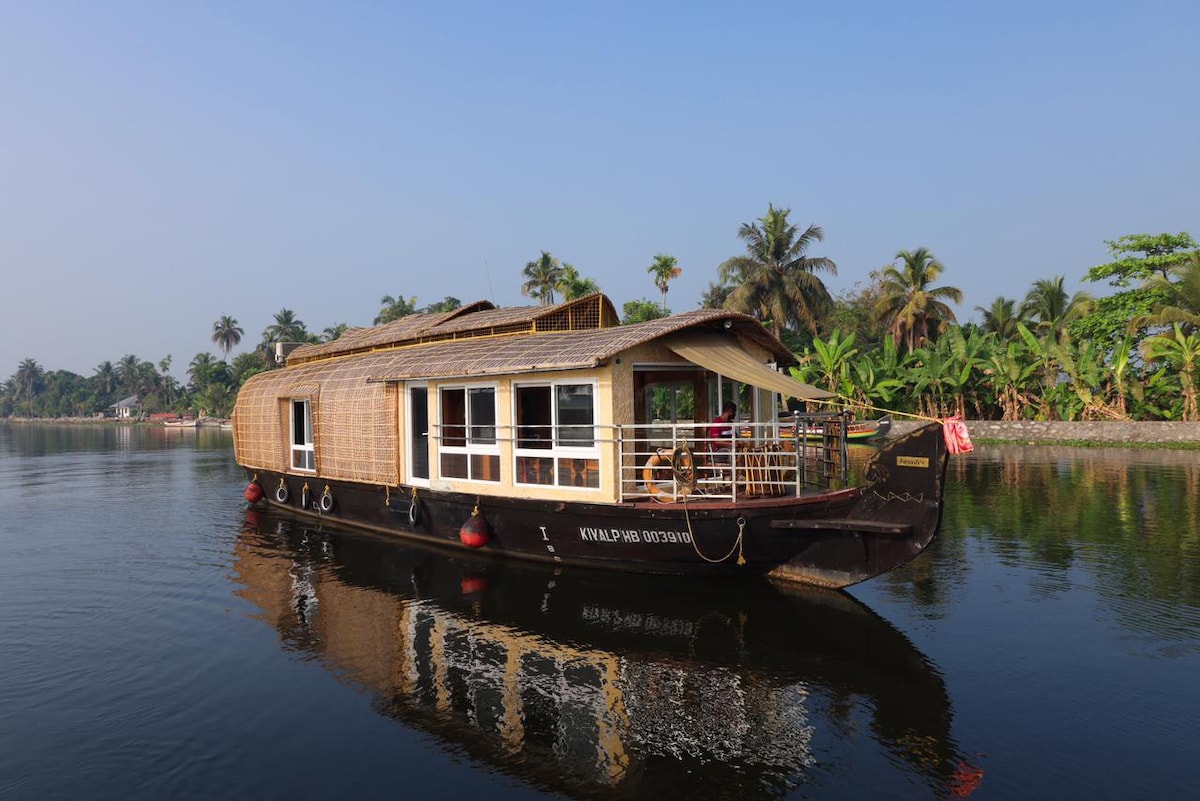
point(756, 459)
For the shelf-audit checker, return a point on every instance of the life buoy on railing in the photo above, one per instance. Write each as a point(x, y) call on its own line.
point(281, 492)
point(325, 504)
point(682, 468)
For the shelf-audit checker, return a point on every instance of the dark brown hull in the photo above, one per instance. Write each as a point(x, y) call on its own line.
point(832, 539)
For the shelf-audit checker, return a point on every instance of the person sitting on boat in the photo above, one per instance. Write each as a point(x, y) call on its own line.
point(720, 433)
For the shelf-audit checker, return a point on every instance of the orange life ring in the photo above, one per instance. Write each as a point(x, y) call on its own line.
point(682, 466)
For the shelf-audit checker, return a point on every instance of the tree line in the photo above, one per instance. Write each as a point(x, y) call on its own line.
point(892, 342)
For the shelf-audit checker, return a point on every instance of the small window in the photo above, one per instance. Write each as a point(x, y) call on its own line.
point(468, 447)
point(303, 456)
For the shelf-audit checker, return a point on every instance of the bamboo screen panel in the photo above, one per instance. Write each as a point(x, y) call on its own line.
point(354, 422)
point(355, 426)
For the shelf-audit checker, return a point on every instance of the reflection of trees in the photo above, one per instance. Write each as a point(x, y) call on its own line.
point(1127, 521)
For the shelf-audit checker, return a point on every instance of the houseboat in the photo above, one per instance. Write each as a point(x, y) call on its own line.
point(556, 434)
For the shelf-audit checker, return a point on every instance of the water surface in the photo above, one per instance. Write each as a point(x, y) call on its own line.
point(160, 642)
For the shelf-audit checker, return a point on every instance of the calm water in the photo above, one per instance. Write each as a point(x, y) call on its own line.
point(157, 641)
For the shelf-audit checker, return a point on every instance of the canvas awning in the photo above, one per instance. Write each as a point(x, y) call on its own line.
point(723, 355)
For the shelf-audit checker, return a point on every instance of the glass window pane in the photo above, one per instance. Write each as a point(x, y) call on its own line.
point(575, 415)
point(454, 465)
point(485, 467)
point(579, 473)
point(453, 418)
point(483, 416)
point(534, 422)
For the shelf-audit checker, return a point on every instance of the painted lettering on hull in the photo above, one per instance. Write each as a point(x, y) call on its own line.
point(912, 461)
point(632, 535)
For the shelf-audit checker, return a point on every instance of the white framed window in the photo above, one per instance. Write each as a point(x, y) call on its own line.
point(467, 446)
point(303, 454)
point(556, 434)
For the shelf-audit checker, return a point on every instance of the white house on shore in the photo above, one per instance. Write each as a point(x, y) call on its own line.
point(129, 407)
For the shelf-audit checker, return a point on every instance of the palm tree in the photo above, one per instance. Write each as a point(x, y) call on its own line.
point(775, 280)
point(1183, 304)
point(665, 269)
point(1048, 304)
point(202, 370)
point(395, 308)
point(572, 285)
point(227, 334)
point(166, 381)
point(543, 273)
point(909, 308)
point(29, 377)
point(1001, 318)
point(286, 328)
point(333, 332)
point(105, 378)
point(446, 304)
point(127, 372)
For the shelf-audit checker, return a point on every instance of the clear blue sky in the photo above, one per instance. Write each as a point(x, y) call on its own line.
point(164, 164)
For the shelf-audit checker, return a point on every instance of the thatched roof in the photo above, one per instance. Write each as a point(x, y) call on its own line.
point(476, 320)
point(515, 353)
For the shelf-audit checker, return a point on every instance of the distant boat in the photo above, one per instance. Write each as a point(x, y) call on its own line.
point(226, 426)
point(180, 423)
point(856, 431)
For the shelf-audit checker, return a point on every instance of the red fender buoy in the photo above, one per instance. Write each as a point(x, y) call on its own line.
point(254, 492)
point(476, 532)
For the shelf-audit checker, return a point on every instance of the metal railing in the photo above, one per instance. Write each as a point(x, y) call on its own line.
point(670, 461)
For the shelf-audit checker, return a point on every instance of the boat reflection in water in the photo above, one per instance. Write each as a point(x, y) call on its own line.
point(604, 685)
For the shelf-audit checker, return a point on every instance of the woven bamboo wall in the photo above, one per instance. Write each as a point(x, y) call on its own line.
point(354, 422)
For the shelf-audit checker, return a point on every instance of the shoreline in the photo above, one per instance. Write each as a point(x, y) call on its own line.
point(1087, 433)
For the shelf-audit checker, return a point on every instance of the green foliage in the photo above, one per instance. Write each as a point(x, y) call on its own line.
point(1137, 257)
point(392, 309)
point(640, 311)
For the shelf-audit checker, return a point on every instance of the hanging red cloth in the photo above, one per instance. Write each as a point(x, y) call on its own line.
point(954, 430)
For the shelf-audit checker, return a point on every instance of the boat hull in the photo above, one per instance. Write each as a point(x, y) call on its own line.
point(832, 539)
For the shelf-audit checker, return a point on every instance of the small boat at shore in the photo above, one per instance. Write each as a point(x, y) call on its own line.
point(537, 433)
point(855, 430)
point(181, 423)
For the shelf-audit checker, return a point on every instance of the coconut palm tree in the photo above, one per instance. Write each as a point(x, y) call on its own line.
point(572, 285)
point(909, 307)
point(333, 332)
point(543, 274)
point(1048, 305)
point(446, 304)
point(127, 372)
point(775, 280)
point(227, 334)
point(395, 308)
point(30, 376)
point(105, 378)
point(665, 269)
point(1183, 306)
point(286, 328)
point(1001, 318)
point(202, 370)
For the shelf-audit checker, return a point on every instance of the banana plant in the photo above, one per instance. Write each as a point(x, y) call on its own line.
point(1182, 352)
point(833, 358)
